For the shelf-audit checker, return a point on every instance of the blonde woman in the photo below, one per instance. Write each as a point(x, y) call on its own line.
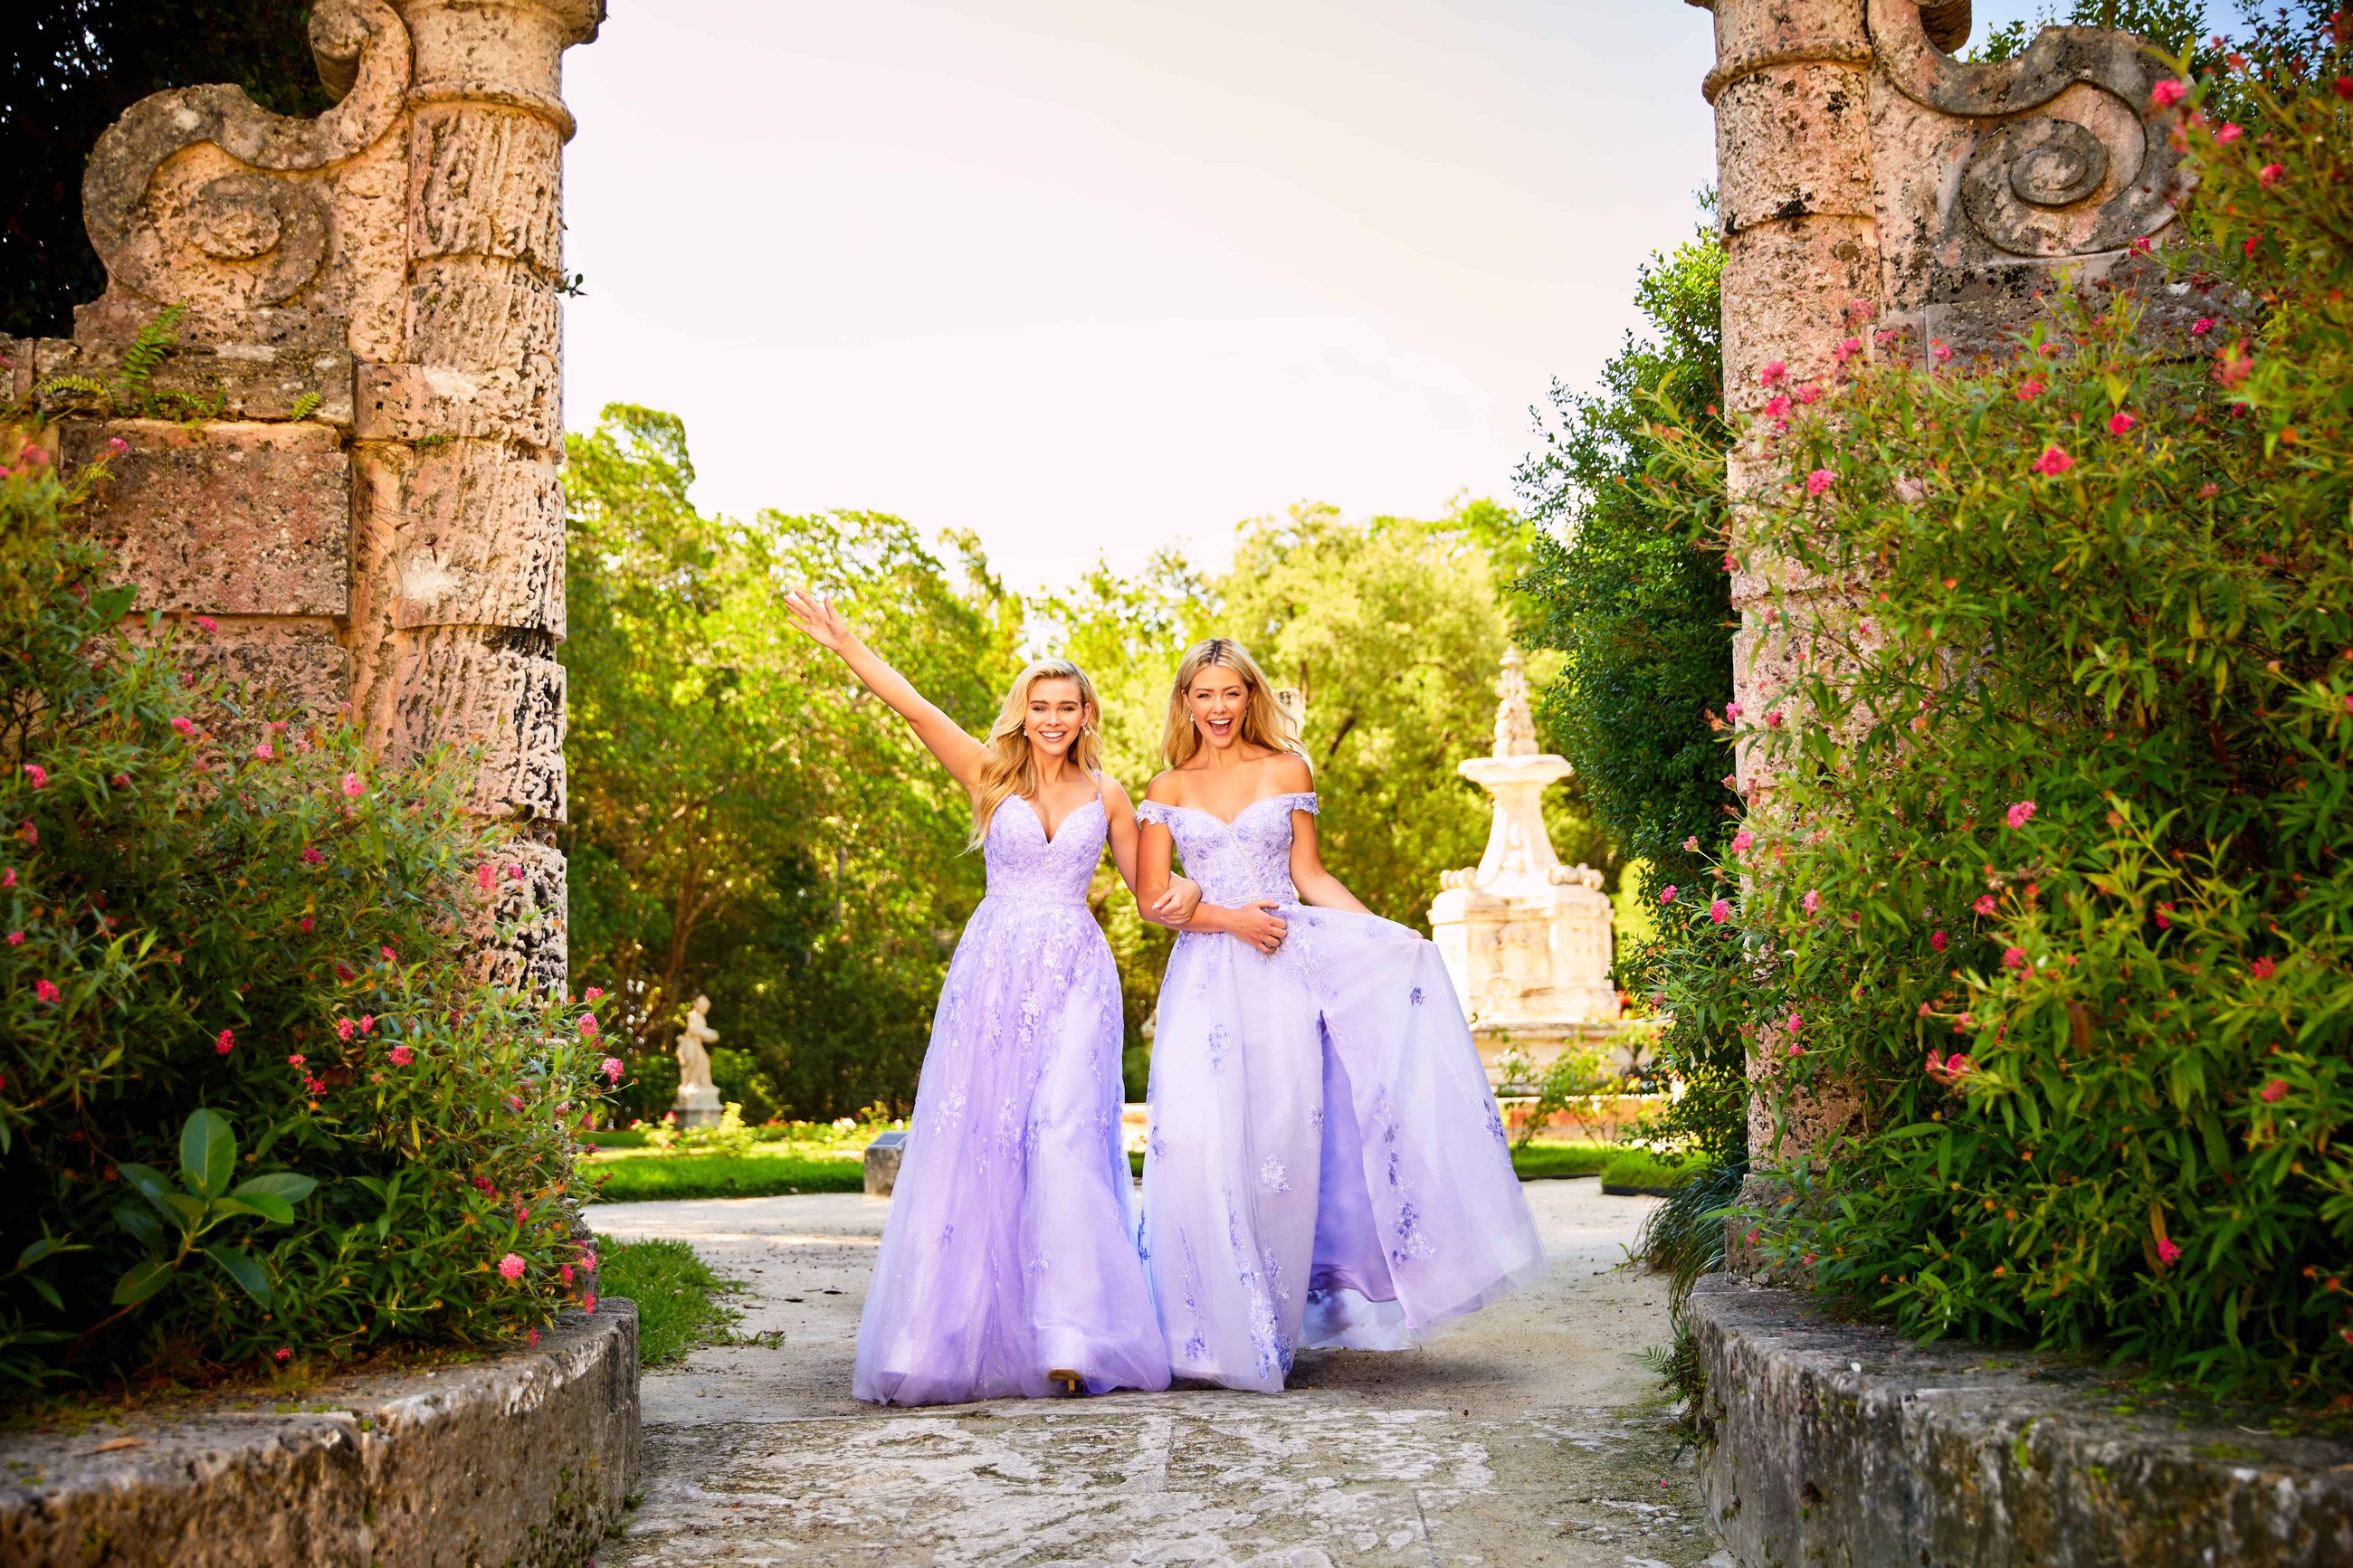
point(1008, 1265)
point(1326, 1166)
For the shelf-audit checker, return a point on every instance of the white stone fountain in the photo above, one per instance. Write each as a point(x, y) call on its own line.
point(1525, 937)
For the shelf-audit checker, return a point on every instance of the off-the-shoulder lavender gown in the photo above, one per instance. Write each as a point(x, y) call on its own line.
point(1009, 1250)
point(1326, 1167)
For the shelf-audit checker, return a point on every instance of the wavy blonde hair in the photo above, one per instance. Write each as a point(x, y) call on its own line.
point(1009, 766)
point(1264, 721)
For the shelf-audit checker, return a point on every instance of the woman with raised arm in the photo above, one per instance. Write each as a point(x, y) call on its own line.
point(1327, 1165)
point(1008, 1265)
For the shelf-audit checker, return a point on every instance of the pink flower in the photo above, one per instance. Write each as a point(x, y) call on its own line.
point(402, 1056)
point(1691, 845)
point(210, 623)
point(1812, 900)
point(2164, 917)
point(2119, 422)
point(564, 1272)
point(2029, 390)
point(1777, 406)
point(2263, 968)
point(39, 774)
point(1774, 373)
point(2167, 93)
point(588, 1024)
point(1667, 894)
point(2167, 1252)
point(367, 1022)
point(2201, 326)
point(612, 1070)
point(514, 873)
point(1795, 1023)
point(282, 1354)
point(2020, 812)
point(595, 993)
point(1741, 841)
point(1985, 904)
point(264, 751)
point(2013, 958)
point(1819, 480)
point(514, 1102)
point(304, 923)
point(588, 1303)
point(511, 1266)
point(2053, 462)
point(484, 875)
point(311, 856)
point(16, 938)
point(1936, 940)
point(353, 788)
point(530, 1336)
point(389, 956)
point(2275, 1091)
point(1773, 720)
point(33, 454)
point(117, 445)
point(1796, 1049)
point(8, 877)
point(2228, 134)
point(1732, 710)
point(120, 781)
point(2271, 175)
point(185, 726)
point(1942, 351)
point(1719, 911)
point(46, 990)
point(225, 1043)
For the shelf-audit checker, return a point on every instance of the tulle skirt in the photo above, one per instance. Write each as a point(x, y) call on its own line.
point(1009, 1251)
point(1327, 1166)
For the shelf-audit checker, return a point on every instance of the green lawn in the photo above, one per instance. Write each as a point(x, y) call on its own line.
point(1640, 1170)
point(675, 1292)
point(636, 1179)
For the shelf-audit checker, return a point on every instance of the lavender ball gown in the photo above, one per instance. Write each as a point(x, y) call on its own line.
point(1009, 1250)
point(1327, 1167)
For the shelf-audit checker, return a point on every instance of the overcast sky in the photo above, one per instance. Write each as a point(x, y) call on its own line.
point(1089, 277)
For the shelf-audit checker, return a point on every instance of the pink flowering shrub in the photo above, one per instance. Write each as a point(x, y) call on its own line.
point(2073, 796)
point(192, 924)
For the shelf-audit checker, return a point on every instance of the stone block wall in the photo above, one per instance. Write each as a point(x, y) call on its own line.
point(350, 458)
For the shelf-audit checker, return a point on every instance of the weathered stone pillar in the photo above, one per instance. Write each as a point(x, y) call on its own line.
point(349, 458)
point(1878, 195)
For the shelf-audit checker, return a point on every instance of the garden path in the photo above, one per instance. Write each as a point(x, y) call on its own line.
point(1531, 1434)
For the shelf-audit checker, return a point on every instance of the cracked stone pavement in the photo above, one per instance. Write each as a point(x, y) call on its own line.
point(1531, 1434)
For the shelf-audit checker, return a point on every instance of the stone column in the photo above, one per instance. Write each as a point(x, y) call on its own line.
point(1870, 183)
point(348, 459)
point(458, 542)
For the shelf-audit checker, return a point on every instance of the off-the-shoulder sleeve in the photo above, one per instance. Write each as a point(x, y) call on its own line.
point(1304, 801)
point(1153, 811)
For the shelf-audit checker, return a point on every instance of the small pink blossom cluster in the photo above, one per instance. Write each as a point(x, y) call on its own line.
point(1949, 1071)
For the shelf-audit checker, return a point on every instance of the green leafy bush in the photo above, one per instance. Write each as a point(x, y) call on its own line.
point(207, 908)
point(2058, 879)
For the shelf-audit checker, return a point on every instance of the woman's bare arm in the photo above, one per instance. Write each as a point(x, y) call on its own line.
point(1316, 886)
point(958, 752)
point(1254, 922)
point(1179, 896)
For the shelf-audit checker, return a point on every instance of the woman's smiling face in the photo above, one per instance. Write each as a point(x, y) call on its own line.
point(1217, 698)
point(1056, 713)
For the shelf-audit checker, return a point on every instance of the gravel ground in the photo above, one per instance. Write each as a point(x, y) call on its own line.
point(1530, 1434)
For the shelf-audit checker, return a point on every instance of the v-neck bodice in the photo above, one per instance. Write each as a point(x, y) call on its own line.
point(1024, 864)
point(1234, 862)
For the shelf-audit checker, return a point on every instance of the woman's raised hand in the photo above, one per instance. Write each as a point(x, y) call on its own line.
point(815, 615)
point(1257, 923)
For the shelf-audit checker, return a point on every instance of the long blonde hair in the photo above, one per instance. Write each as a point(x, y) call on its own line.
point(1264, 721)
point(1009, 766)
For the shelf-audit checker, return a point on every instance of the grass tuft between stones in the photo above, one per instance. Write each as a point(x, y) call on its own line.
point(677, 1293)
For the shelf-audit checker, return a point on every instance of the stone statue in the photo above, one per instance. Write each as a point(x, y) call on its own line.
point(1526, 939)
point(698, 1098)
